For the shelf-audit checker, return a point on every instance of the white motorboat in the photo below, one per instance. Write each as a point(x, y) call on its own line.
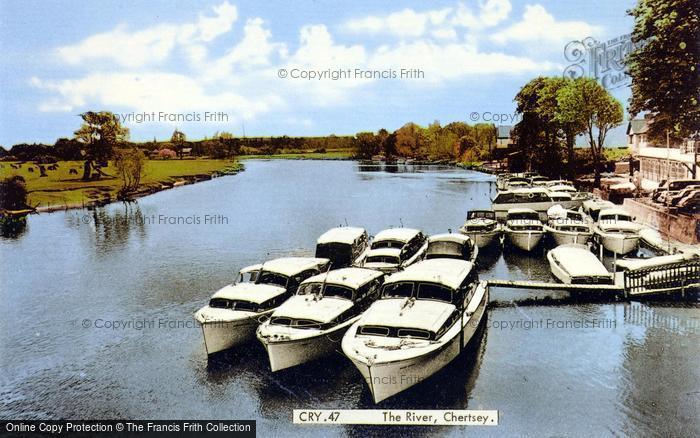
point(617, 231)
point(395, 249)
point(426, 317)
point(451, 246)
point(575, 264)
point(343, 246)
point(538, 199)
point(592, 207)
point(235, 311)
point(311, 323)
point(523, 228)
point(482, 227)
point(568, 227)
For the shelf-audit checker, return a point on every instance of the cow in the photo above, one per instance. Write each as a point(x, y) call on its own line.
point(73, 172)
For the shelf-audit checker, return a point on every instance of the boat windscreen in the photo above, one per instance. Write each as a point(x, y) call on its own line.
point(340, 254)
point(398, 290)
point(428, 291)
point(481, 215)
point(267, 277)
point(223, 303)
point(445, 249)
point(333, 290)
point(309, 289)
point(523, 217)
point(383, 259)
point(387, 244)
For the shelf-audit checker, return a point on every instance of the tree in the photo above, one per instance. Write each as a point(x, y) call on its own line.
point(13, 193)
point(178, 140)
point(98, 135)
point(410, 140)
point(664, 65)
point(130, 165)
point(534, 130)
point(366, 144)
point(584, 101)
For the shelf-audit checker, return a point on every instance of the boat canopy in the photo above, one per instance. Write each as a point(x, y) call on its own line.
point(346, 235)
point(614, 214)
point(396, 234)
point(397, 313)
point(447, 272)
point(290, 266)
point(578, 261)
point(349, 277)
point(254, 293)
point(481, 214)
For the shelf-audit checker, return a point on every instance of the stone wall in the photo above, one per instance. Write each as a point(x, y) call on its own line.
point(680, 227)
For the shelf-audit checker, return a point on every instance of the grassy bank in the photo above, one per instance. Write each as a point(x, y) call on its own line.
point(61, 188)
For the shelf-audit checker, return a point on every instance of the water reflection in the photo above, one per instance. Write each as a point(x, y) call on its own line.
point(13, 228)
point(112, 226)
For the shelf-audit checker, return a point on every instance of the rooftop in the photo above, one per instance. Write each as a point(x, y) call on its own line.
point(346, 235)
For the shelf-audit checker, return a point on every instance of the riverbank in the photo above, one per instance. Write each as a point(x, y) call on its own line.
point(62, 188)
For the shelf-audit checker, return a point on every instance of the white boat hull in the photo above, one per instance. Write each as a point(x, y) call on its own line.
point(386, 379)
point(525, 240)
point(290, 353)
point(617, 243)
point(540, 207)
point(482, 239)
point(220, 336)
point(568, 237)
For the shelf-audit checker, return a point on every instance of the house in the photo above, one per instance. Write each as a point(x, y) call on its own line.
point(658, 162)
point(186, 152)
point(504, 137)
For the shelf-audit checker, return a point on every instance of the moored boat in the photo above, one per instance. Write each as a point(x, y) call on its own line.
point(523, 228)
point(425, 318)
point(343, 246)
point(395, 249)
point(482, 227)
point(616, 231)
point(310, 324)
point(575, 264)
point(568, 227)
point(235, 311)
point(538, 199)
point(451, 246)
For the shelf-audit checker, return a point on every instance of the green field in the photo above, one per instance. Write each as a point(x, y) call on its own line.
point(60, 188)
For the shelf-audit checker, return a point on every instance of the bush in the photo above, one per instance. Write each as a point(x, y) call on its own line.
point(166, 154)
point(13, 193)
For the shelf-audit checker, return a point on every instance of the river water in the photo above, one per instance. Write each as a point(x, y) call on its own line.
point(97, 315)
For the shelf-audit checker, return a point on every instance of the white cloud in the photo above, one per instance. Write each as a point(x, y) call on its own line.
point(152, 45)
point(538, 25)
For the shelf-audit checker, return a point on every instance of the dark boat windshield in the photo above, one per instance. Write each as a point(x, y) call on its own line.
point(340, 254)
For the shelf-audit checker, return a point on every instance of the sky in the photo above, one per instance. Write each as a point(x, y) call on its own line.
point(285, 68)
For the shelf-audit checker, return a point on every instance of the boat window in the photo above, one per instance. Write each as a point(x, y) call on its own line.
point(245, 306)
point(333, 290)
point(525, 216)
point(428, 291)
point(387, 244)
point(481, 215)
point(278, 320)
point(393, 260)
point(309, 289)
point(273, 302)
point(306, 323)
point(248, 277)
point(267, 277)
point(340, 254)
point(398, 290)
point(414, 333)
point(219, 303)
point(374, 330)
point(446, 250)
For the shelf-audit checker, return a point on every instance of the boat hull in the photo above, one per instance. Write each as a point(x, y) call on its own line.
point(617, 243)
point(386, 379)
point(220, 336)
point(568, 237)
point(483, 239)
point(525, 240)
point(290, 353)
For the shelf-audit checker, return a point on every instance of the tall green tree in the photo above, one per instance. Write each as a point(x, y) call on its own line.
point(98, 135)
point(664, 65)
point(584, 101)
point(178, 140)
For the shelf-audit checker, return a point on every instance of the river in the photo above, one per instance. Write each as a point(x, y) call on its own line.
point(97, 315)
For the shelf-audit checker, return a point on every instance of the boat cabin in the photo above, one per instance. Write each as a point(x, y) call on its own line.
point(523, 214)
point(451, 246)
point(613, 215)
point(343, 246)
point(522, 196)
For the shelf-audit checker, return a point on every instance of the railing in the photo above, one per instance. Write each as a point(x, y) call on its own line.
point(679, 277)
point(690, 147)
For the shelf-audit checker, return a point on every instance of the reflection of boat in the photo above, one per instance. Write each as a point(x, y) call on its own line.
point(310, 324)
point(343, 246)
point(568, 227)
point(451, 246)
point(523, 228)
point(234, 311)
point(481, 226)
point(538, 199)
point(394, 249)
point(575, 264)
point(617, 231)
point(425, 318)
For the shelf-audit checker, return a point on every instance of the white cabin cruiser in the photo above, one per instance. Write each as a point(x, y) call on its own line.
point(617, 231)
point(395, 249)
point(523, 228)
point(311, 323)
point(451, 246)
point(482, 227)
point(234, 311)
point(568, 227)
point(592, 207)
point(343, 246)
point(575, 264)
point(538, 199)
point(426, 317)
